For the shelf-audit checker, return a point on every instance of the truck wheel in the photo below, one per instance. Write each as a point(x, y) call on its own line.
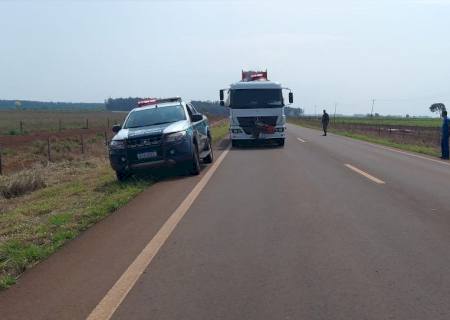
point(234, 143)
point(210, 157)
point(195, 166)
point(281, 142)
point(122, 176)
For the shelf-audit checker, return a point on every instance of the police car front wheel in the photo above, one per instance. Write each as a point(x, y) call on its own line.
point(195, 169)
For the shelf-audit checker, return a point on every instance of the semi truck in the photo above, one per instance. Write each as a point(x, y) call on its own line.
point(256, 107)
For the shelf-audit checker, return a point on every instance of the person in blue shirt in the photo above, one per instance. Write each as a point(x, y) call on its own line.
point(445, 134)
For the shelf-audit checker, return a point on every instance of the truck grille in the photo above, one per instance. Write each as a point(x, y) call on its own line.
point(248, 123)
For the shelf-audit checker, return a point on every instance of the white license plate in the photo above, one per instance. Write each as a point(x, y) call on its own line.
point(147, 155)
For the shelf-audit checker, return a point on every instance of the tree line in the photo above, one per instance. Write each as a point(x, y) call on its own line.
point(126, 104)
point(44, 105)
point(120, 104)
point(207, 107)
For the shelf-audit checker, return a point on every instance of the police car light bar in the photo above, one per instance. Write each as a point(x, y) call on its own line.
point(254, 75)
point(153, 101)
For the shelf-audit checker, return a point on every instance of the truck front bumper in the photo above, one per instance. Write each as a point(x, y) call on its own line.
point(237, 133)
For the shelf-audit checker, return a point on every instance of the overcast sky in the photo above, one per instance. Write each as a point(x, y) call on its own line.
point(327, 51)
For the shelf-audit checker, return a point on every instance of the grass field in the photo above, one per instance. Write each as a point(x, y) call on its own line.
point(13, 122)
point(415, 122)
point(46, 204)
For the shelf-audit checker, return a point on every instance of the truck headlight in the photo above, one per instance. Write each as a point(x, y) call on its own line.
point(117, 144)
point(176, 136)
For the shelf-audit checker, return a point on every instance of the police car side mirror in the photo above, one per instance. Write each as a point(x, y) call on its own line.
point(116, 128)
point(291, 97)
point(196, 117)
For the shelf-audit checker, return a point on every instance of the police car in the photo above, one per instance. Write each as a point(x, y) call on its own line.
point(161, 132)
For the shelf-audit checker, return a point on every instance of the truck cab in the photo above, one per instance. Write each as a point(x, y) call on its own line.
point(256, 109)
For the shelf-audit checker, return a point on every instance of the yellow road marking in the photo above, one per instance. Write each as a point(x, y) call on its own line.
point(301, 140)
point(115, 296)
point(365, 174)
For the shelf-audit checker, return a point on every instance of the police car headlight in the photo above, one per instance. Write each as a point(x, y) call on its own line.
point(176, 136)
point(117, 144)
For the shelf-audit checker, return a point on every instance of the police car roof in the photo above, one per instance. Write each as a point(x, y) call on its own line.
point(255, 85)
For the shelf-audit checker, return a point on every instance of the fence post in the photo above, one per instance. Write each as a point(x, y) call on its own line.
point(106, 139)
point(82, 144)
point(59, 125)
point(48, 149)
point(107, 127)
point(87, 123)
point(21, 126)
point(1, 172)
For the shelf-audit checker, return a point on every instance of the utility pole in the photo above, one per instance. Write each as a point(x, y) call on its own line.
point(373, 104)
point(315, 111)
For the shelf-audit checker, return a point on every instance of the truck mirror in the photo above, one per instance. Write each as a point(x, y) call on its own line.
point(291, 97)
point(222, 103)
point(116, 128)
point(221, 95)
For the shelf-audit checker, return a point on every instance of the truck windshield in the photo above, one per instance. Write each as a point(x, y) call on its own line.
point(256, 98)
point(154, 116)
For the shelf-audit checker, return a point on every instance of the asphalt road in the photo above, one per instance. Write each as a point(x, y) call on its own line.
point(324, 228)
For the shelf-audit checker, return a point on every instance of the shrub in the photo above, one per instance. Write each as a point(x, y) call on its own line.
point(21, 183)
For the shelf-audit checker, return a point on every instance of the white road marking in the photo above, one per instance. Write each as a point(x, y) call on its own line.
point(115, 296)
point(365, 174)
point(443, 162)
point(411, 154)
point(301, 140)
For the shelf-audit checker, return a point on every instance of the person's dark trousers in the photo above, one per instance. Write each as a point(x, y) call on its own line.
point(325, 128)
point(445, 148)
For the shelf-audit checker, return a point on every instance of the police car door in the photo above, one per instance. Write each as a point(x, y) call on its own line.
point(199, 127)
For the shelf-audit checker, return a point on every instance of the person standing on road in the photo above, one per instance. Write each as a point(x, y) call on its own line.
point(445, 136)
point(325, 122)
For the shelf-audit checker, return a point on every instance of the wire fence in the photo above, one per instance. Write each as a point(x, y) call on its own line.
point(52, 148)
point(18, 152)
point(24, 127)
point(398, 133)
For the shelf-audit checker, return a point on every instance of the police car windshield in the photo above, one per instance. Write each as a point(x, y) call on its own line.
point(154, 116)
point(256, 98)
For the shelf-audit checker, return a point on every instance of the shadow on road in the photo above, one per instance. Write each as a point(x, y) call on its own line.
point(173, 173)
point(248, 145)
point(257, 145)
